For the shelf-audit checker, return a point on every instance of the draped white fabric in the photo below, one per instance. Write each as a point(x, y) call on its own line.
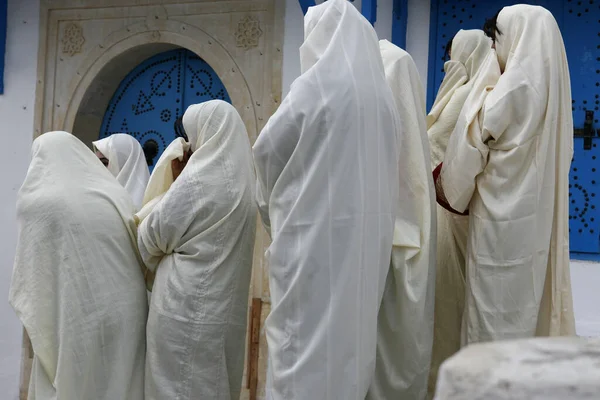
point(162, 177)
point(327, 170)
point(469, 50)
point(199, 238)
point(127, 162)
point(508, 161)
point(405, 322)
point(77, 283)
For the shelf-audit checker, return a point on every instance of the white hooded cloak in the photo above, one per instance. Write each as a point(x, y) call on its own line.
point(199, 239)
point(327, 179)
point(508, 162)
point(470, 48)
point(468, 51)
point(127, 162)
point(77, 283)
point(405, 326)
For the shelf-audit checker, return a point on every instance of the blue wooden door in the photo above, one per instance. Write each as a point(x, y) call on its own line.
point(581, 33)
point(580, 26)
point(152, 96)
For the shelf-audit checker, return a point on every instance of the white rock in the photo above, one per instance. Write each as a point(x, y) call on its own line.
point(531, 369)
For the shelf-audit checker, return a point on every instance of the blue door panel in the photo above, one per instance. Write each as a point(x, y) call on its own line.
point(152, 96)
point(581, 24)
point(201, 82)
point(584, 215)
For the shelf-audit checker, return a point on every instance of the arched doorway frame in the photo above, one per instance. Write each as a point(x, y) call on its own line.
point(172, 33)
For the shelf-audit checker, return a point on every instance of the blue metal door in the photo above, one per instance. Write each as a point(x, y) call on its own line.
point(579, 22)
point(152, 96)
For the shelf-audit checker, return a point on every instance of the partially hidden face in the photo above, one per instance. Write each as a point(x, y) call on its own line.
point(102, 158)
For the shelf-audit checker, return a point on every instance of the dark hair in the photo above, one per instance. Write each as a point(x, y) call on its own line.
point(179, 129)
point(490, 27)
point(448, 50)
point(150, 148)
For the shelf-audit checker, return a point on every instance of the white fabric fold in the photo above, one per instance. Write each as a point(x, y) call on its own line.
point(327, 175)
point(468, 52)
point(77, 283)
point(199, 238)
point(127, 162)
point(508, 161)
point(162, 177)
point(405, 322)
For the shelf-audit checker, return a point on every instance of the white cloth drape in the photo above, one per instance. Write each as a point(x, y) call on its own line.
point(77, 283)
point(508, 161)
point(162, 177)
point(199, 239)
point(405, 322)
point(327, 170)
point(127, 162)
point(470, 48)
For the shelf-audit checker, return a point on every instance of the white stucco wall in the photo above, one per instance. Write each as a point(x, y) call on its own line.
point(16, 114)
point(417, 35)
point(585, 277)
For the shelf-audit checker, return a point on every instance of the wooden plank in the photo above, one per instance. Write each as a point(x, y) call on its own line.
point(253, 346)
point(26, 364)
point(249, 348)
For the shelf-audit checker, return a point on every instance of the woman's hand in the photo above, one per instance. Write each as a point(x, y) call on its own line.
point(178, 165)
point(149, 278)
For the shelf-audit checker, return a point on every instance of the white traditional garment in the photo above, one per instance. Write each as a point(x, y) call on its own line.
point(127, 162)
point(200, 239)
point(77, 283)
point(327, 170)
point(162, 177)
point(469, 50)
point(508, 161)
point(405, 322)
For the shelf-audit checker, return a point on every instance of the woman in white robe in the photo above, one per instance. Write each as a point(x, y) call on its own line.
point(508, 162)
point(327, 185)
point(77, 283)
point(127, 162)
point(405, 323)
point(468, 51)
point(199, 240)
